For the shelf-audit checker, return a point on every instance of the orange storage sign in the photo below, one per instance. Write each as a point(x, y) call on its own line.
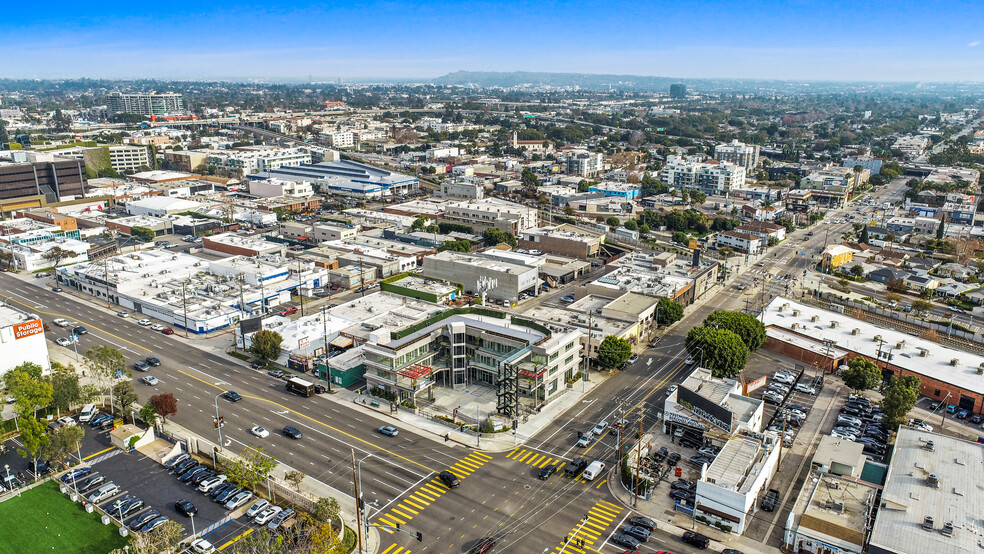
point(28, 328)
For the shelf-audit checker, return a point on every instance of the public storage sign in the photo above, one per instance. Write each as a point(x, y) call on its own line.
point(28, 328)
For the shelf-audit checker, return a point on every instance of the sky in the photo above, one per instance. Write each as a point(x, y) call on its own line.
point(793, 39)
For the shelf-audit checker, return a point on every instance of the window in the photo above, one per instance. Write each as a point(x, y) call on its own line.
point(937, 393)
point(569, 346)
point(569, 359)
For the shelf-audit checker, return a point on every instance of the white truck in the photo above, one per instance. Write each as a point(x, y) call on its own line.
point(593, 470)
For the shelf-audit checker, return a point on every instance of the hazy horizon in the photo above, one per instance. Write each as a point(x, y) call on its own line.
point(837, 41)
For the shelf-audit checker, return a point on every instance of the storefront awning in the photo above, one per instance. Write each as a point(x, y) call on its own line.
point(341, 342)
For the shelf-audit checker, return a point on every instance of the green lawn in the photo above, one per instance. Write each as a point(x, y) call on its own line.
point(45, 520)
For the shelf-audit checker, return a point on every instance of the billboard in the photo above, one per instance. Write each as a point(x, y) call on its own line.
point(251, 325)
point(28, 328)
point(756, 384)
point(705, 409)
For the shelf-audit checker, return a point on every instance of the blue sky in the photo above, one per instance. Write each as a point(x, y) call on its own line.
point(178, 39)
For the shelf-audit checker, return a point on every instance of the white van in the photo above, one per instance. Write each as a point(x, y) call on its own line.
point(104, 492)
point(87, 412)
point(593, 470)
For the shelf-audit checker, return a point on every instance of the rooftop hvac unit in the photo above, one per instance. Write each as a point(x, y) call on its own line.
point(932, 448)
point(933, 480)
point(923, 352)
point(947, 529)
point(796, 313)
point(954, 361)
point(877, 338)
point(928, 523)
point(815, 318)
point(834, 485)
point(796, 325)
point(834, 324)
point(900, 344)
point(836, 506)
point(855, 331)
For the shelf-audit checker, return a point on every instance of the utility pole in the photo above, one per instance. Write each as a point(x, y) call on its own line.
point(635, 500)
point(324, 327)
point(300, 293)
point(358, 501)
point(184, 302)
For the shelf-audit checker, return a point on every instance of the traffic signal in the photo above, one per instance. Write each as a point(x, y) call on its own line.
point(397, 526)
point(420, 537)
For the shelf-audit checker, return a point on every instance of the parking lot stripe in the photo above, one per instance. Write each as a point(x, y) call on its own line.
point(89, 457)
point(242, 535)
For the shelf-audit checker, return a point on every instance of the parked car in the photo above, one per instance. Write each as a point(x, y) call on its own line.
point(806, 389)
point(144, 322)
point(239, 500)
point(638, 532)
point(625, 539)
point(139, 521)
point(177, 459)
point(185, 507)
point(267, 514)
point(202, 546)
point(389, 430)
point(280, 518)
point(258, 507)
point(643, 522)
point(696, 539)
point(771, 500)
point(154, 524)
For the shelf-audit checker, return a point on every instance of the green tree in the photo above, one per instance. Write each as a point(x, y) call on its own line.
point(492, 237)
point(28, 388)
point(266, 344)
point(106, 363)
point(861, 374)
point(568, 210)
point(899, 397)
point(148, 413)
point(896, 285)
point(922, 306)
point(631, 225)
point(863, 238)
point(327, 510)
point(62, 445)
point(66, 391)
point(529, 179)
point(419, 223)
point(33, 435)
point(941, 231)
point(294, 477)
point(142, 233)
point(679, 237)
point(164, 538)
point(857, 270)
point(125, 395)
point(613, 222)
point(251, 467)
point(644, 229)
point(724, 353)
point(461, 245)
point(613, 351)
point(56, 254)
point(668, 311)
point(746, 326)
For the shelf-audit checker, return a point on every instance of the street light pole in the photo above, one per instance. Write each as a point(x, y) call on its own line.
point(218, 422)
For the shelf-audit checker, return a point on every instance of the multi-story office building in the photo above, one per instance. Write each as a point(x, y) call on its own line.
point(469, 269)
point(129, 158)
point(678, 90)
point(738, 153)
point(873, 165)
point(489, 213)
point(25, 176)
point(833, 186)
point(147, 104)
point(339, 139)
point(584, 163)
point(253, 161)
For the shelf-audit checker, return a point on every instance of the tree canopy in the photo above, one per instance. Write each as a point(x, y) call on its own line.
point(746, 326)
point(251, 467)
point(492, 237)
point(724, 353)
point(165, 404)
point(861, 374)
point(266, 344)
point(669, 311)
point(899, 397)
point(613, 351)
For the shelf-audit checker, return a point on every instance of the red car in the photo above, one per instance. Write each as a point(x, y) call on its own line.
point(168, 331)
point(289, 311)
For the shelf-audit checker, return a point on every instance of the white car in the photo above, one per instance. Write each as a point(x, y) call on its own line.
point(671, 390)
point(804, 388)
point(123, 314)
point(150, 380)
point(690, 360)
point(845, 436)
point(62, 341)
point(157, 327)
point(62, 322)
point(202, 546)
point(784, 378)
point(261, 504)
point(266, 515)
point(144, 322)
point(66, 421)
point(211, 483)
point(239, 500)
point(260, 432)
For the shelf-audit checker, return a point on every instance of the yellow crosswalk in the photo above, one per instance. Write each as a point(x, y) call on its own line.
point(601, 517)
point(534, 459)
point(418, 500)
point(394, 549)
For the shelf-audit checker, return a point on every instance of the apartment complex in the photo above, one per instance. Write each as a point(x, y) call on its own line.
point(254, 161)
point(738, 153)
point(146, 104)
point(584, 164)
point(492, 213)
point(711, 176)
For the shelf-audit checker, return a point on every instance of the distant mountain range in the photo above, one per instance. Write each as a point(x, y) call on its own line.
point(583, 80)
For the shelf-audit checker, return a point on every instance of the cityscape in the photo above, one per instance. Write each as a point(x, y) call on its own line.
point(416, 289)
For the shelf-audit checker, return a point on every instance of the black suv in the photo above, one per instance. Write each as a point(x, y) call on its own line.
point(292, 432)
point(232, 396)
point(696, 539)
point(673, 459)
point(546, 472)
point(771, 500)
point(449, 479)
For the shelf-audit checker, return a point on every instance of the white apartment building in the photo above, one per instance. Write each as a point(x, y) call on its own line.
point(129, 158)
point(584, 163)
point(339, 139)
point(147, 104)
point(253, 161)
point(710, 176)
point(913, 145)
point(740, 242)
point(738, 153)
point(486, 213)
